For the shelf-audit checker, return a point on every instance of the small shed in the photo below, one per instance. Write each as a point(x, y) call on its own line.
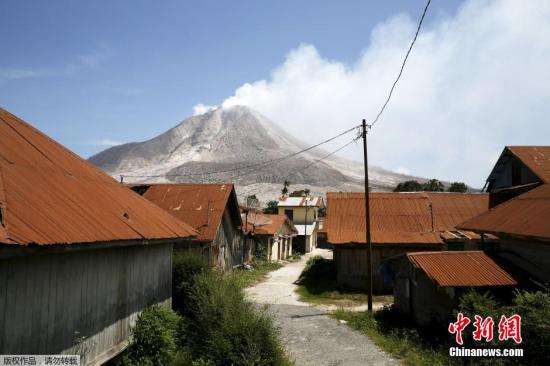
point(80, 254)
point(273, 234)
point(400, 223)
point(429, 284)
point(213, 210)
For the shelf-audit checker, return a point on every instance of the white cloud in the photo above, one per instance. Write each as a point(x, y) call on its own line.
point(90, 60)
point(473, 83)
point(202, 109)
point(106, 142)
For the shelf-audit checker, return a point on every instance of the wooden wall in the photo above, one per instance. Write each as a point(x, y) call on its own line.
point(48, 301)
point(229, 244)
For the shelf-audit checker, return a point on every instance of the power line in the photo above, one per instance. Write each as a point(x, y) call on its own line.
point(402, 66)
point(323, 158)
point(255, 165)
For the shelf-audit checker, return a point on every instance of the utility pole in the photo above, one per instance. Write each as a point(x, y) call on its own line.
point(367, 216)
point(305, 227)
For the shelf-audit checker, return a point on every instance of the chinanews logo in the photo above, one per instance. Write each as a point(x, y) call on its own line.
point(509, 328)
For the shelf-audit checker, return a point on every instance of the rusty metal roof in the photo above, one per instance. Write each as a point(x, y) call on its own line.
point(49, 195)
point(266, 224)
point(525, 215)
point(537, 158)
point(461, 269)
point(199, 205)
point(398, 217)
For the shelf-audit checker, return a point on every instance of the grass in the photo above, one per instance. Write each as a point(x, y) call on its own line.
point(396, 336)
point(246, 277)
point(317, 284)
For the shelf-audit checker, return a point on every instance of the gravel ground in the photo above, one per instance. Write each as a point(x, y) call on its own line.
point(308, 333)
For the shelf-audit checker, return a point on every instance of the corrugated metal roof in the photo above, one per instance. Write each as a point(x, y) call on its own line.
point(461, 269)
point(300, 201)
point(537, 158)
point(267, 224)
point(394, 214)
point(49, 195)
point(199, 205)
point(524, 215)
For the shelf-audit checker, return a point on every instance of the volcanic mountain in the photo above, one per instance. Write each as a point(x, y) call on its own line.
point(230, 145)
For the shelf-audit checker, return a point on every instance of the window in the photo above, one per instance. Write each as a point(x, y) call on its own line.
point(289, 214)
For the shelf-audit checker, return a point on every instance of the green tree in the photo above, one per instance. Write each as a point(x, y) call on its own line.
point(286, 184)
point(457, 187)
point(271, 208)
point(433, 185)
point(408, 186)
point(300, 193)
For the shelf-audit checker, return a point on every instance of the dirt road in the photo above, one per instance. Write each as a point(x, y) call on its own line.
point(308, 333)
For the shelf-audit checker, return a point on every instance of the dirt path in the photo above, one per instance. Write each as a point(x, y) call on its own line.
point(309, 334)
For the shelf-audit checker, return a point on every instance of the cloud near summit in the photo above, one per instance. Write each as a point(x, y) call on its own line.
point(474, 82)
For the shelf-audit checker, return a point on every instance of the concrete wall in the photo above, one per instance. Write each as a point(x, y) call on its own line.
point(299, 214)
point(48, 301)
point(351, 265)
point(531, 256)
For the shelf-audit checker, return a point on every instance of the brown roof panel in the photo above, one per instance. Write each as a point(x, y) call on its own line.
point(461, 269)
point(265, 224)
point(537, 158)
point(394, 214)
point(199, 205)
point(524, 215)
point(49, 195)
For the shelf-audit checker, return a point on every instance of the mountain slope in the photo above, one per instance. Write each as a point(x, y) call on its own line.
point(226, 139)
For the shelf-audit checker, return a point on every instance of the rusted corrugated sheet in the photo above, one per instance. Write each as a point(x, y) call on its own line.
point(537, 158)
point(199, 205)
point(398, 216)
point(526, 215)
point(265, 224)
point(49, 195)
point(461, 269)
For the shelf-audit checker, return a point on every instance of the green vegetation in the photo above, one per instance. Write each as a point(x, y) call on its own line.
point(397, 335)
point(224, 329)
point(248, 277)
point(154, 338)
point(286, 184)
point(271, 208)
point(212, 323)
point(458, 187)
point(432, 185)
point(394, 335)
point(317, 284)
point(408, 186)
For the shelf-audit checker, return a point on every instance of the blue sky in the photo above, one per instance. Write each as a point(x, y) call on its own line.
point(87, 71)
point(93, 73)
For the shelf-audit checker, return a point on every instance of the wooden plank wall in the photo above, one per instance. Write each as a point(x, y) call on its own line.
point(47, 302)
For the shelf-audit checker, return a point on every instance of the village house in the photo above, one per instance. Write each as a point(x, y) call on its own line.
point(80, 255)
point(304, 214)
point(518, 170)
point(428, 285)
point(213, 210)
point(400, 223)
point(273, 234)
point(523, 226)
point(522, 218)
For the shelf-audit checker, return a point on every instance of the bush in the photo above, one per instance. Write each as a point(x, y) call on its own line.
point(154, 338)
point(222, 328)
point(184, 268)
